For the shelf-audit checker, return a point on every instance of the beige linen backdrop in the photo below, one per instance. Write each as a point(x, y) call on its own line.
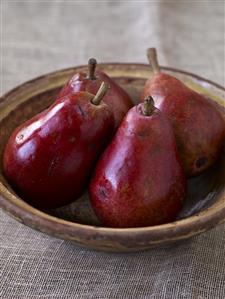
point(42, 36)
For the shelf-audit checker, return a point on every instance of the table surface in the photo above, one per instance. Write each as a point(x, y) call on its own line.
point(42, 36)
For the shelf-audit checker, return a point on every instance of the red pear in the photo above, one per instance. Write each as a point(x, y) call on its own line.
point(117, 99)
point(48, 159)
point(139, 180)
point(199, 127)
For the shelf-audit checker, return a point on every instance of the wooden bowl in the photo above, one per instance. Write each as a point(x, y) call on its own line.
point(205, 205)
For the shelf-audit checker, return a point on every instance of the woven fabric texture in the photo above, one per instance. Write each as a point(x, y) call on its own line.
point(41, 36)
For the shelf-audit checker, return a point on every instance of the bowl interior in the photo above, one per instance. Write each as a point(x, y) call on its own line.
point(34, 96)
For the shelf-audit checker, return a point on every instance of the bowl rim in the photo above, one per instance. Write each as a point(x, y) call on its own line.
point(166, 68)
point(31, 216)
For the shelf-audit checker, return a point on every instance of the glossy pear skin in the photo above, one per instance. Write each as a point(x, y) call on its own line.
point(139, 180)
point(48, 159)
point(117, 99)
point(199, 127)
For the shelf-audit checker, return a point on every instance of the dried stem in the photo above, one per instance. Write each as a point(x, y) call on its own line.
point(152, 58)
point(100, 94)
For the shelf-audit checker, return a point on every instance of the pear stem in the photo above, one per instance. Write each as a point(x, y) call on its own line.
point(148, 106)
point(100, 94)
point(153, 61)
point(92, 63)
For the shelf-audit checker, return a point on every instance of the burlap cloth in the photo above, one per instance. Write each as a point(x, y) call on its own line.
point(42, 36)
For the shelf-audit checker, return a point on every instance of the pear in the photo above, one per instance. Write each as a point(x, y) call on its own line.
point(49, 158)
point(199, 127)
point(139, 180)
point(117, 98)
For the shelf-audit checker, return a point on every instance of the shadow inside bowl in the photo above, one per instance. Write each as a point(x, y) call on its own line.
point(202, 193)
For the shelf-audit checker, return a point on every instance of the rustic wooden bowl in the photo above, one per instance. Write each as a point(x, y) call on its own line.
point(205, 205)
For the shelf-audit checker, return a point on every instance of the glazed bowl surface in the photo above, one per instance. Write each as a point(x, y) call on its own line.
point(205, 204)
